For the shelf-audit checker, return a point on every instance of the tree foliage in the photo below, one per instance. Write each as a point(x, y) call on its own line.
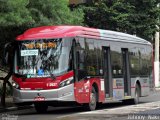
point(19, 15)
point(138, 17)
point(52, 12)
point(14, 13)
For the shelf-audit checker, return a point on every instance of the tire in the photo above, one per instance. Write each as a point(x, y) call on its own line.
point(137, 95)
point(93, 101)
point(135, 100)
point(41, 107)
point(99, 105)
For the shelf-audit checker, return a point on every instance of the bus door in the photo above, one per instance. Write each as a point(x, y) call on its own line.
point(108, 84)
point(126, 72)
point(80, 73)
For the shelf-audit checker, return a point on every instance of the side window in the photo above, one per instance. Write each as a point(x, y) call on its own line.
point(98, 51)
point(116, 60)
point(93, 57)
point(90, 57)
point(80, 58)
point(145, 61)
point(134, 61)
point(149, 60)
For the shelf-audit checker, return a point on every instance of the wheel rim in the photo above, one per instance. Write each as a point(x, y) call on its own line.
point(92, 99)
point(137, 96)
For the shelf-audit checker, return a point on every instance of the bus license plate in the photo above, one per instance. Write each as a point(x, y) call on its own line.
point(39, 99)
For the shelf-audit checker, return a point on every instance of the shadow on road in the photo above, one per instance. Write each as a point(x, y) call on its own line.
point(72, 110)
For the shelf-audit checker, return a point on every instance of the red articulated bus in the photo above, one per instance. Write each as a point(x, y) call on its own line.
point(63, 65)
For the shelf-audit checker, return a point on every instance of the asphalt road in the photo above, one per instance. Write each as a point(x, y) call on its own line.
point(112, 111)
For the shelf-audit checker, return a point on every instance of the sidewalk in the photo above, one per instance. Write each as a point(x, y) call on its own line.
point(9, 102)
point(10, 106)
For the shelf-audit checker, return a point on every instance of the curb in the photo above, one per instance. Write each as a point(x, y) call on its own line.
point(14, 108)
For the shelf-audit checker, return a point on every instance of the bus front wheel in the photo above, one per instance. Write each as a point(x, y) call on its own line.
point(93, 100)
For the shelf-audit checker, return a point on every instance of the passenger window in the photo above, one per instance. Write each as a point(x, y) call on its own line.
point(116, 61)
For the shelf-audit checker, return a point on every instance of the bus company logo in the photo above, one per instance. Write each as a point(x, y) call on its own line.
point(9, 117)
point(39, 94)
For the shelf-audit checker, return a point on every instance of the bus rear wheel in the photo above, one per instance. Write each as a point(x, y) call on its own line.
point(137, 95)
point(134, 100)
point(41, 107)
point(93, 100)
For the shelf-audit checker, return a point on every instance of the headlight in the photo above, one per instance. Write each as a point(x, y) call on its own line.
point(66, 82)
point(15, 85)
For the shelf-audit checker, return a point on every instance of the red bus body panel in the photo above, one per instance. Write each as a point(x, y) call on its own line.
point(56, 32)
point(83, 89)
point(41, 83)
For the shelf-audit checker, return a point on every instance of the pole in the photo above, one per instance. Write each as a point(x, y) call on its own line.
point(156, 62)
point(3, 97)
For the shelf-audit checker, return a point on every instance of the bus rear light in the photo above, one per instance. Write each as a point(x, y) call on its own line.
point(66, 82)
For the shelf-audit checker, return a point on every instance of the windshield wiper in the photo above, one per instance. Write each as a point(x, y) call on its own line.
point(52, 76)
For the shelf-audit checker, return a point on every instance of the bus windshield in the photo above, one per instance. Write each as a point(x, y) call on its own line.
point(43, 58)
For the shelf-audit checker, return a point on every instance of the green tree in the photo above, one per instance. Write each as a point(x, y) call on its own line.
point(14, 13)
point(19, 15)
point(145, 17)
point(134, 17)
point(52, 12)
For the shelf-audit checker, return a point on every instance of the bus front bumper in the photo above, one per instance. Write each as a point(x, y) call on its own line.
point(61, 94)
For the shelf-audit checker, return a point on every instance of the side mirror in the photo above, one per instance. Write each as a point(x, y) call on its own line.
point(7, 53)
point(80, 59)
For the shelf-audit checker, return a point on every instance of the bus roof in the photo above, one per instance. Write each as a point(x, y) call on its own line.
point(46, 32)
